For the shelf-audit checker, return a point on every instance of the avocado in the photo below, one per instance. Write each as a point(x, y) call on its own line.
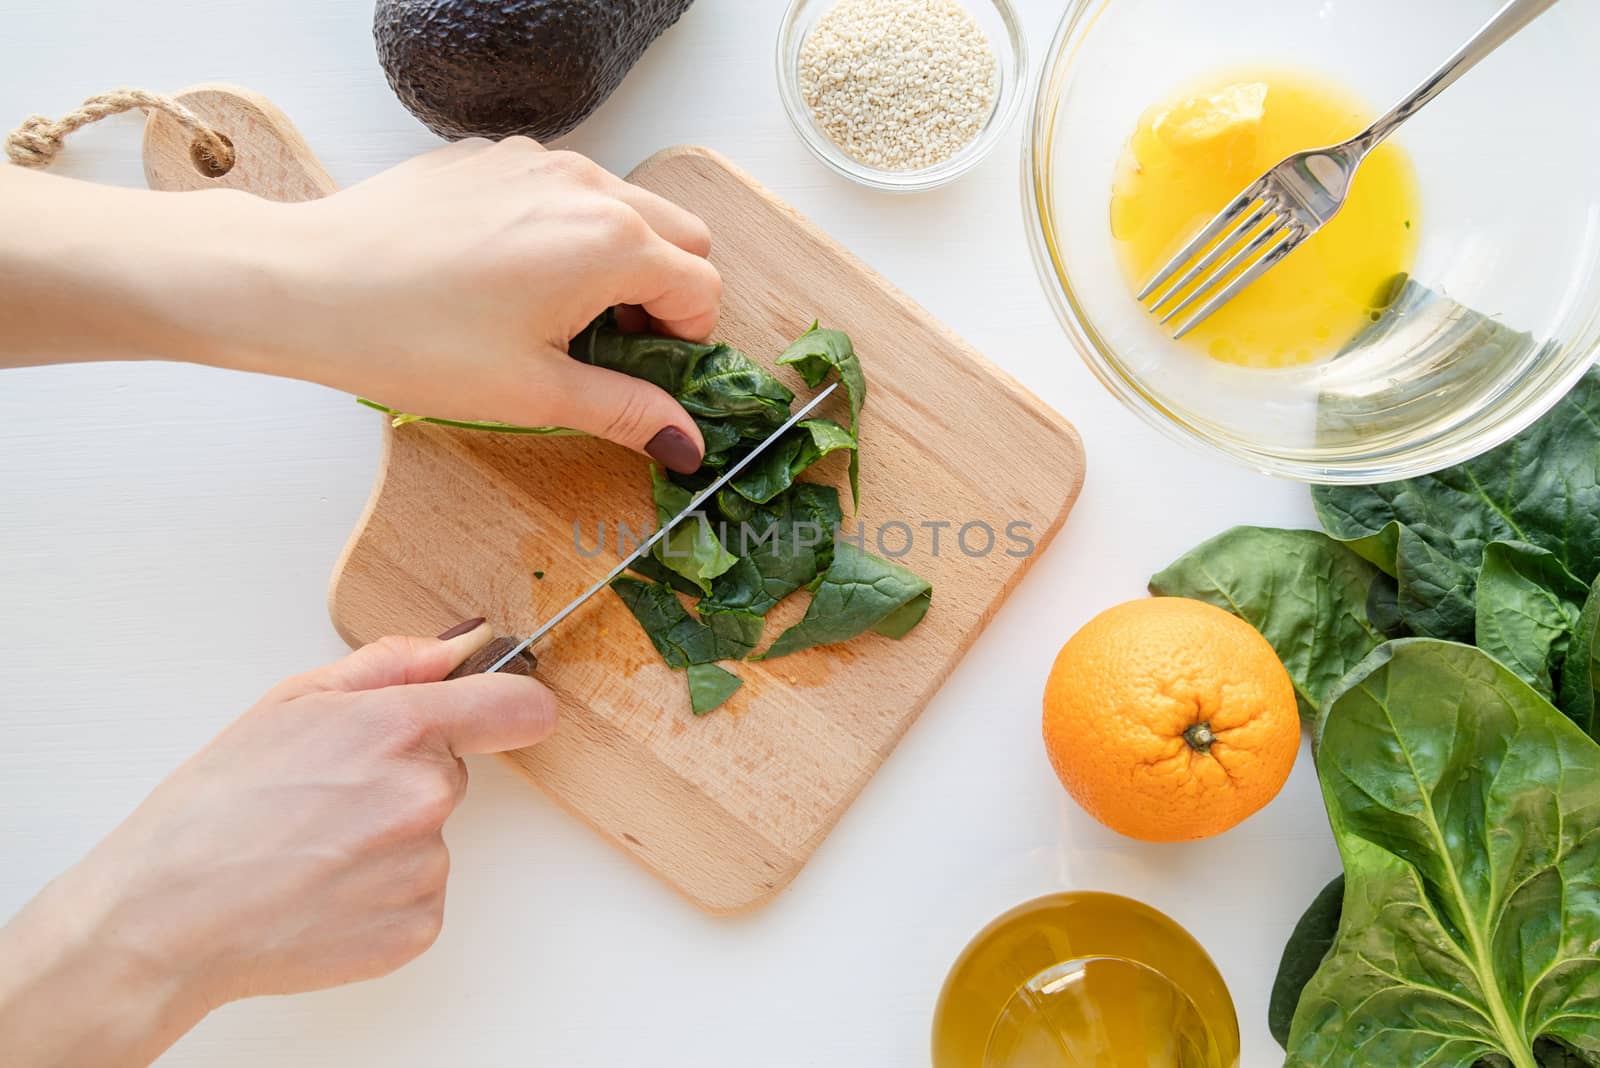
point(493, 68)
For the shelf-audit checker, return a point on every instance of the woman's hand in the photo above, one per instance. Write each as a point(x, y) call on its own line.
point(301, 849)
point(448, 286)
point(451, 285)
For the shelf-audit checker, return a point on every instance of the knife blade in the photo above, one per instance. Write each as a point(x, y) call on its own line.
point(692, 508)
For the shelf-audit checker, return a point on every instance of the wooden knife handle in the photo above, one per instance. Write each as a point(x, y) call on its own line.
point(486, 658)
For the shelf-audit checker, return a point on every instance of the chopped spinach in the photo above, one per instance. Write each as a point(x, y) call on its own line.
point(737, 633)
point(730, 396)
point(710, 686)
point(777, 468)
point(767, 535)
point(662, 361)
point(781, 549)
point(681, 639)
point(818, 351)
point(692, 550)
point(858, 593)
point(656, 571)
point(813, 355)
point(720, 439)
point(727, 385)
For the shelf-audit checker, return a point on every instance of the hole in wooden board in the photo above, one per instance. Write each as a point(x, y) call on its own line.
point(208, 164)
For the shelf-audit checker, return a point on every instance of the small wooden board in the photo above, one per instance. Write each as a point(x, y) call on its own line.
point(729, 807)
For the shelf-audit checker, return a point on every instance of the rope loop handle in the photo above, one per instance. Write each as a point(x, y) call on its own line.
point(39, 140)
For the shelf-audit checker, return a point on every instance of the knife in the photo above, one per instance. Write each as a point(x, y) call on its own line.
point(512, 656)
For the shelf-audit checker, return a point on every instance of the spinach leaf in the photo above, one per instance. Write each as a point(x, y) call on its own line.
point(689, 644)
point(814, 354)
point(710, 686)
point(1466, 810)
point(1542, 487)
point(692, 549)
point(900, 622)
point(776, 469)
point(656, 571)
point(781, 549)
point(858, 593)
point(1322, 607)
point(1580, 670)
point(730, 396)
point(681, 639)
point(1547, 1053)
point(736, 633)
point(735, 507)
point(1302, 955)
point(727, 385)
point(818, 351)
point(662, 361)
point(1527, 607)
point(1433, 591)
point(720, 439)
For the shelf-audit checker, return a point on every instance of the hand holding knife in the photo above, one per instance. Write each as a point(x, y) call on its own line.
point(514, 657)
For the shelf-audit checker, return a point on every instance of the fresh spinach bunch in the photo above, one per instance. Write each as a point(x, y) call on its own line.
point(1466, 810)
point(1465, 807)
point(1502, 551)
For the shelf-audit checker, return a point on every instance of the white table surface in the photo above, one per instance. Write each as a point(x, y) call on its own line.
point(168, 532)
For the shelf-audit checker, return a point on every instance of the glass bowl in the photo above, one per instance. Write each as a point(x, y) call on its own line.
point(1501, 314)
point(1083, 977)
point(1000, 24)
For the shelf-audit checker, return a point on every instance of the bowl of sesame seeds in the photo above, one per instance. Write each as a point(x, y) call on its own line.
point(901, 95)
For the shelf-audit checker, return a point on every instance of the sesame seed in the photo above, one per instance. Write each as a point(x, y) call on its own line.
point(899, 84)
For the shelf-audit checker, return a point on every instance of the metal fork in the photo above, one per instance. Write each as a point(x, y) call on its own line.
point(1295, 199)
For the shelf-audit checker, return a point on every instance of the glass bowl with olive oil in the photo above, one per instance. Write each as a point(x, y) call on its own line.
point(1453, 300)
point(1080, 978)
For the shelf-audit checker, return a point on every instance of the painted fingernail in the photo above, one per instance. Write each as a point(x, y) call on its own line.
point(674, 448)
point(464, 627)
point(632, 319)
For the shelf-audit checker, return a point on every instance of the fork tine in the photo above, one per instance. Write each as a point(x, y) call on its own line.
point(1223, 246)
point(1237, 260)
point(1257, 269)
point(1214, 228)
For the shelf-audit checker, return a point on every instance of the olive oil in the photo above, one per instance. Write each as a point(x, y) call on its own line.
point(1084, 979)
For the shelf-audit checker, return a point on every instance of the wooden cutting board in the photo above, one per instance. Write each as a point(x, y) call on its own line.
point(729, 807)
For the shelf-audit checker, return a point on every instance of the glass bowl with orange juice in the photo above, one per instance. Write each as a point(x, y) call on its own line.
point(1078, 979)
point(1450, 304)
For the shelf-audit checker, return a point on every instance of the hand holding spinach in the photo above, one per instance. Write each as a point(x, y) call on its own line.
point(768, 534)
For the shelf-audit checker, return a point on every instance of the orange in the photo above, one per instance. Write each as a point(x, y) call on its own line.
point(1168, 719)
